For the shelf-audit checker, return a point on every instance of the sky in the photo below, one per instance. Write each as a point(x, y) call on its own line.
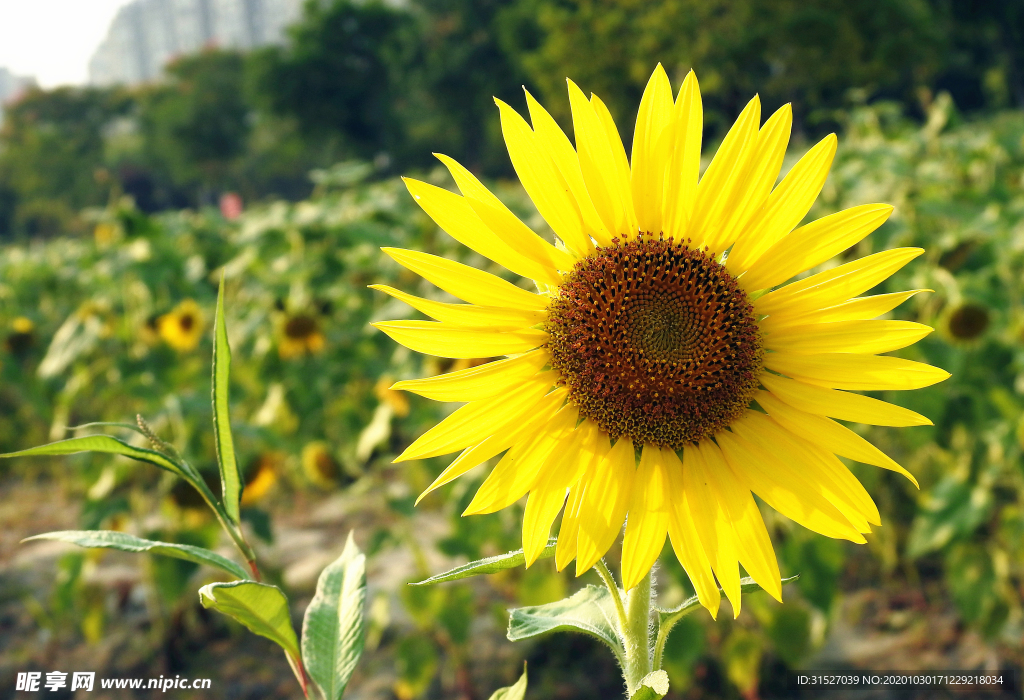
point(53, 39)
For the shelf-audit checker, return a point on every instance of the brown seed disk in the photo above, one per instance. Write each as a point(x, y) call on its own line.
point(655, 341)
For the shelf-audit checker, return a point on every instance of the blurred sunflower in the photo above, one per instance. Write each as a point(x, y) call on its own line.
point(182, 327)
point(319, 464)
point(659, 322)
point(21, 338)
point(300, 334)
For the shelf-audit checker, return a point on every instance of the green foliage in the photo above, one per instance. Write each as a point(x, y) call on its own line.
point(262, 608)
point(196, 124)
point(129, 543)
point(590, 610)
point(229, 477)
point(653, 686)
point(517, 691)
point(332, 630)
point(490, 565)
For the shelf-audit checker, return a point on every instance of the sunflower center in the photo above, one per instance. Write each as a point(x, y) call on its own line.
point(655, 341)
point(300, 327)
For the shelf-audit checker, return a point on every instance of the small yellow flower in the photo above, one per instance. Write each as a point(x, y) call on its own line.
point(182, 327)
point(663, 315)
point(263, 479)
point(319, 464)
point(300, 335)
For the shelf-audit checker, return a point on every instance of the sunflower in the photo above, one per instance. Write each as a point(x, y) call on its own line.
point(182, 327)
point(662, 372)
point(300, 334)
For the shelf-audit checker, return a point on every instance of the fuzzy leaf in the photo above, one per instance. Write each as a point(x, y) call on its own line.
point(231, 482)
point(589, 610)
point(332, 631)
point(109, 539)
point(516, 691)
point(490, 565)
point(653, 686)
point(260, 607)
point(107, 444)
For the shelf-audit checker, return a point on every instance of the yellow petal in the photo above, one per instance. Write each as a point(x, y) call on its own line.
point(834, 286)
point(760, 430)
point(554, 141)
point(565, 552)
point(649, 155)
point(828, 434)
point(541, 510)
point(762, 170)
point(619, 161)
point(446, 340)
point(605, 501)
point(543, 181)
point(477, 420)
point(503, 222)
point(813, 244)
point(467, 283)
point(503, 438)
point(840, 404)
point(859, 309)
point(753, 545)
point(855, 372)
point(597, 164)
point(713, 523)
point(787, 205)
point(455, 215)
point(683, 143)
point(647, 522)
point(467, 315)
point(862, 337)
point(519, 469)
point(690, 552)
point(722, 184)
point(475, 383)
point(784, 488)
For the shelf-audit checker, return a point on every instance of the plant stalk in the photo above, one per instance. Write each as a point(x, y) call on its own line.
point(636, 634)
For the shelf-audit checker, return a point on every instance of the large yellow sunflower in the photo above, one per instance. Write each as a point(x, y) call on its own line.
point(661, 373)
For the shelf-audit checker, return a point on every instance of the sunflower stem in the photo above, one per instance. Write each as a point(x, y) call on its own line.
point(636, 634)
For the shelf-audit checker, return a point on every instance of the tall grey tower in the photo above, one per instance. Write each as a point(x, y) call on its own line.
point(146, 34)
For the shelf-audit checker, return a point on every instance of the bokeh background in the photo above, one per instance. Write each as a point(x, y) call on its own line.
point(264, 139)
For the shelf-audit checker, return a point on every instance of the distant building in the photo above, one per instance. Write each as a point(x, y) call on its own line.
point(11, 86)
point(146, 34)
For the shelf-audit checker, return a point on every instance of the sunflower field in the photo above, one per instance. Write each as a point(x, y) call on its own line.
point(119, 322)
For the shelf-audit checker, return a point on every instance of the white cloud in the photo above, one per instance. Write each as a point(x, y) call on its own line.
point(53, 39)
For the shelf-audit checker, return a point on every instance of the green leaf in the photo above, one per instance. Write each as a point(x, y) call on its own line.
point(747, 585)
point(332, 631)
point(109, 539)
point(590, 610)
point(516, 691)
point(490, 565)
point(259, 606)
point(107, 444)
point(953, 509)
point(231, 481)
point(653, 686)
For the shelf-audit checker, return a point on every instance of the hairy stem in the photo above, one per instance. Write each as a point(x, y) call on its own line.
point(636, 635)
